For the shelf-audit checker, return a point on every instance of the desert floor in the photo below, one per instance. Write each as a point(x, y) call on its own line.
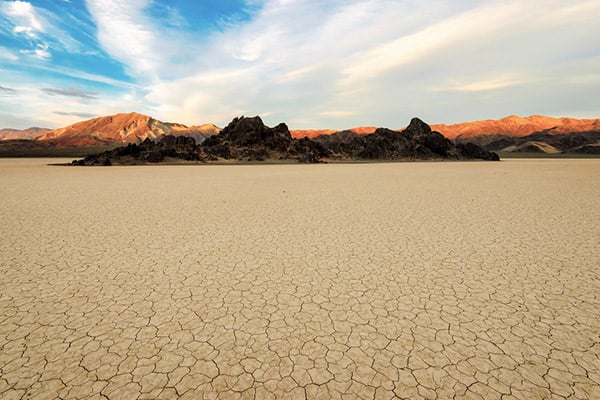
point(405, 280)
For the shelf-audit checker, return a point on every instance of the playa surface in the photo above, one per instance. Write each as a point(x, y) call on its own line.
point(439, 280)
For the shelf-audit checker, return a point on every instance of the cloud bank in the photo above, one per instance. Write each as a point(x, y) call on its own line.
point(380, 62)
point(332, 64)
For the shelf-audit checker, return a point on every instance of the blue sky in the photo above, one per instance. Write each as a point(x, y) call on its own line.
point(310, 63)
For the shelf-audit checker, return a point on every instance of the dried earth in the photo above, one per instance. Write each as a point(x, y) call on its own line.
point(463, 280)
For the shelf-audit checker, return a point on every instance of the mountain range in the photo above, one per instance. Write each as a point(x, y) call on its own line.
point(536, 133)
point(248, 139)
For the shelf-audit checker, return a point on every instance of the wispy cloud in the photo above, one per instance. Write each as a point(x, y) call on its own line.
point(337, 113)
point(6, 91)
point(127, 34)
point(40, 29)
point(27, 22)
point(70, 92)
point(75, 114)
point(56, 107)
point(414, 47)
point(82, 75)
point(7, 54)
point(172, 16)
point(493, 83)
point(40, 52)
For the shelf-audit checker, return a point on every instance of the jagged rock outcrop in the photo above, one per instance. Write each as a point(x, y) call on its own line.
point(416, 142)
point(148, 151)
point(249, 139)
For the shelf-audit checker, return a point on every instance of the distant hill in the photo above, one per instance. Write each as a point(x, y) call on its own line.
point(22, 134)
point(545, 142)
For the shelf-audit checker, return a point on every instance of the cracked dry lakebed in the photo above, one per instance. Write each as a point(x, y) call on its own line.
point(432, 280)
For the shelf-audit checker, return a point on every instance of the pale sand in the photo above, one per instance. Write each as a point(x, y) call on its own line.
point(408, 280)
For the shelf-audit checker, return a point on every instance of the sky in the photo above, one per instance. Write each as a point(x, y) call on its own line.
point(310, 63)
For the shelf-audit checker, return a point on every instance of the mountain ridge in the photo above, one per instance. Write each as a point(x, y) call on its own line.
point(134, 127)
point(248, 139)
point(517, 126)
point(512, 125)
point(509, 134)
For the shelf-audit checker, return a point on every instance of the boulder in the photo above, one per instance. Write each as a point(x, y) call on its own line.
point(471, 150)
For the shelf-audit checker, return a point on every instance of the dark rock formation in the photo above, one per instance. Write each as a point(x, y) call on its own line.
point(148, 151)
point(249, 139)
point(251, 131)
point(335, 138)
point(471, 150)
point(588, 149)
point(416, 142)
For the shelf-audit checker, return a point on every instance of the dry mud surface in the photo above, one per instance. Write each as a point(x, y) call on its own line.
point(368, 281)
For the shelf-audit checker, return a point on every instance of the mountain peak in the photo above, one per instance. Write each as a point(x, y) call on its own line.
point(130, 127)
point(417, 127)
point(251, 130)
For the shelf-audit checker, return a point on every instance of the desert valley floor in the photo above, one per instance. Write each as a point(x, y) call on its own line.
point(441, 280)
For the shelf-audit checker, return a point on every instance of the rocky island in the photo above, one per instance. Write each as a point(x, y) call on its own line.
point(248, 139)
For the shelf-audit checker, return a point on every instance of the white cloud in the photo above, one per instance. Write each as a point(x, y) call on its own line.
point(128, 34)
point(411, 48)
point(24, 17)
point(41, 52)
point(379, 62)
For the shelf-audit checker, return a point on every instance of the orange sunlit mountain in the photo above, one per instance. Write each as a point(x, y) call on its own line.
point(510, 126)
point(122, 128)
point(517, 126)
